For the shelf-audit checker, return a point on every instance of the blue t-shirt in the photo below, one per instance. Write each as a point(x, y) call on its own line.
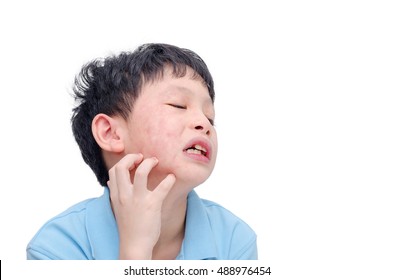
point(88, 230)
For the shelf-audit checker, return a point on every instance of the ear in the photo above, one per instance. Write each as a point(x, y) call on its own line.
point(107, 132)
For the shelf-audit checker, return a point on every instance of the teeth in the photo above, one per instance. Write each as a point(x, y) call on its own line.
point(198, 147)
point(197, 150)
point(193, 151)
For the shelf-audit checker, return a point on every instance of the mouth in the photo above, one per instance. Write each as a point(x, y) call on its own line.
point(198, 149)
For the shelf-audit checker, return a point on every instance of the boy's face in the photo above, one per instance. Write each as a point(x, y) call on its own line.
point(171, 120)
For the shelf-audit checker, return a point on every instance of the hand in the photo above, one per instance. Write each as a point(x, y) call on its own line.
point(137, 210)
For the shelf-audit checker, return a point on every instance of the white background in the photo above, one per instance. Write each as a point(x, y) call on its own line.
point(304, 115)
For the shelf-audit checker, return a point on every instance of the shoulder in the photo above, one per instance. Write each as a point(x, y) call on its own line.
point(64, 236)
point(223, 219)
point(234, 238)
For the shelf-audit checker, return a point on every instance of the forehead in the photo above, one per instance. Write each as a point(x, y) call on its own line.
point(169, 83)
point(176, 71)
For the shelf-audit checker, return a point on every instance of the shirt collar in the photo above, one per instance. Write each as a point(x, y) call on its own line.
point(198, 243)
point(101, 227)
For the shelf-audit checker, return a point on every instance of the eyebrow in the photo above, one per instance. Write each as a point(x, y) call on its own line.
point(183, 90)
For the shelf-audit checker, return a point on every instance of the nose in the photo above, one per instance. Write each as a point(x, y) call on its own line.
point(202, 124)
point(203, 130)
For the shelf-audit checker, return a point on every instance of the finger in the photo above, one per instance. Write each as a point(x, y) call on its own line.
point(164, 187)
point(142, 173)
point(113, 191)
point(119, 174)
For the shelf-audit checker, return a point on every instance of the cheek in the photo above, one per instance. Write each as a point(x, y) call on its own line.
point(159, 138)
point(215, 143)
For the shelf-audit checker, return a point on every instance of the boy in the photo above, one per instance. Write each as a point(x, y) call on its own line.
point(145, 125)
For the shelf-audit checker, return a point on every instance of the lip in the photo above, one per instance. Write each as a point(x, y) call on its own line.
point(203, 143)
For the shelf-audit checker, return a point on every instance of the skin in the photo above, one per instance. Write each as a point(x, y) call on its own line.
point(150, 173)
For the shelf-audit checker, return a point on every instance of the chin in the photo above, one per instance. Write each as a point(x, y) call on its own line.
point(192, 179)
point(186, 174)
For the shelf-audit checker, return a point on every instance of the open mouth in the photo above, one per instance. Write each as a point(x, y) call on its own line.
point(197, 150)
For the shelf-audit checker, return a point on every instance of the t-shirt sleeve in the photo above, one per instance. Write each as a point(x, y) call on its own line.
point(62, 238)
point(32, 254)
point(244, 243)
point(235, 239)
point(249, 252)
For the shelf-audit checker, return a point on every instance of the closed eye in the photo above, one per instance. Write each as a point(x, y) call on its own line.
point(177, 106)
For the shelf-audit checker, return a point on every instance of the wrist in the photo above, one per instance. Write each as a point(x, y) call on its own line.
point(134, 255)
point(135, 251)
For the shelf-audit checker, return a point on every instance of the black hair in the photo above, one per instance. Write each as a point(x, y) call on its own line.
point(111, 86)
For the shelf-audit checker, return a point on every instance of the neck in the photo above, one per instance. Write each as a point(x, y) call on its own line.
point(172, 227)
